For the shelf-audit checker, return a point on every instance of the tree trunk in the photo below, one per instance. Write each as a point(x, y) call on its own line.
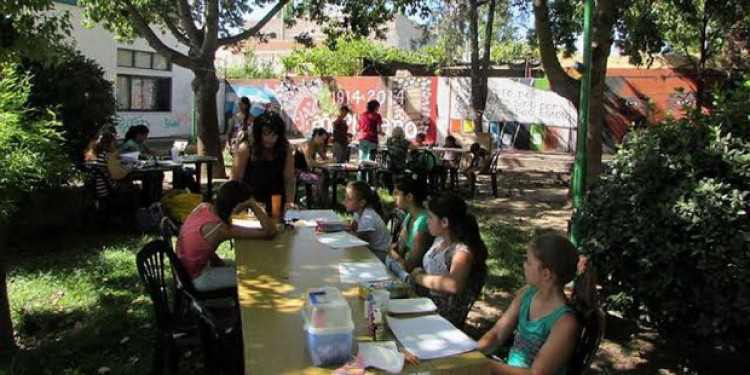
point(478, 85)
point(205, 86)
point(605, 15)
point(560, 82)
point(7, 344)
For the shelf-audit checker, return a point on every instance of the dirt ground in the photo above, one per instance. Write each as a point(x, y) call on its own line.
point(540, 200)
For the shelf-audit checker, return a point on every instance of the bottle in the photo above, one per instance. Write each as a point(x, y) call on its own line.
point(379, 325)
point(370, 313)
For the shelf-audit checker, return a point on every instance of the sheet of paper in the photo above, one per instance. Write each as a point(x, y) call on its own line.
point(251, 223)
point(411, 306)
point(383, 355)
point(350, 272)
point(430, 336)
point(340, 240)
point(310, 215)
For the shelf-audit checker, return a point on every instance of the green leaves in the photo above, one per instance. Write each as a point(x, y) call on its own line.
point(668, 225)
point(30, 145)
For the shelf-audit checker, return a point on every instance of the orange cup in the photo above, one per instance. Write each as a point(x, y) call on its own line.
point(276, 205)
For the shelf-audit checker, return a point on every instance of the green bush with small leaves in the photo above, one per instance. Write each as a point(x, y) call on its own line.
point(668, 226)
point(32, 156)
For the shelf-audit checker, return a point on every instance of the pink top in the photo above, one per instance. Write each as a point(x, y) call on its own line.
point(193, 250)
point(368, 126)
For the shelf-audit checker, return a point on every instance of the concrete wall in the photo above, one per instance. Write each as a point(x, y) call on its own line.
point(100, 45)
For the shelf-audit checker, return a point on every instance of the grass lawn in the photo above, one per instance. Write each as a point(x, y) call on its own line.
point(78, 305)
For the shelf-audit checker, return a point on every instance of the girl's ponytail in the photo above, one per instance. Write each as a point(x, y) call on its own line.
point(585, 298)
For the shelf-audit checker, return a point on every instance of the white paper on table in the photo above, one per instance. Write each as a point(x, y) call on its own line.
point(350, 272)
point(340, 240)
point(310, 215)
point(431, 336)
point(247, 223)
point(383, 355)
point(411, 306)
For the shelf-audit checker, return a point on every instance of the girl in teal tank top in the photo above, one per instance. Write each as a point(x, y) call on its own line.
point(415, 239)
point(545, 321)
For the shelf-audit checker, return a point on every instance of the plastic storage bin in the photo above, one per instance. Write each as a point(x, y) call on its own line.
point(329, 330)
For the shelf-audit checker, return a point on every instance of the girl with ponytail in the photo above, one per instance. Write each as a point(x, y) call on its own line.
point(364, 203)
point(547, 322)
point(455, 265)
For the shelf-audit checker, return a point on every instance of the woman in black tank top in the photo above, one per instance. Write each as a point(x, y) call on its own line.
point(264, 160)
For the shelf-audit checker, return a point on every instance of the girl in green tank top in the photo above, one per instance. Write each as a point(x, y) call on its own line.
point(545, 321)
point(414, 240)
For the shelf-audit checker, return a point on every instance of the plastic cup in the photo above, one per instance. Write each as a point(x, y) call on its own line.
point(276, 206)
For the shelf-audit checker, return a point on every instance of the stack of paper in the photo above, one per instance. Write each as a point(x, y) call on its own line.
point(340, 240)
point(430, 336)
point(362, 272)
point(411, 306)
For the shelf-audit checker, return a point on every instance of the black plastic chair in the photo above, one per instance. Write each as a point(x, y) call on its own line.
point(588, 344)
point(172, 334)
point(395, 222)
point(491, 171)
point(220, 337)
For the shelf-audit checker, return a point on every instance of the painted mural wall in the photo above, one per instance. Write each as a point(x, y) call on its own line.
point(311, 102)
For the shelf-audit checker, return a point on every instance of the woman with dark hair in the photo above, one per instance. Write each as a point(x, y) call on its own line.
point(340, 136)
point(242, 122)
point(265, 161)
point(454, 269)
point(135, 139)
point(313, 149)
point(415, 238)
point(208, 226)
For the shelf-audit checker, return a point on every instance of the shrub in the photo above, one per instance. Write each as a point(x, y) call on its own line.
point(78, 90)
point(668, 227)
point(31, 152)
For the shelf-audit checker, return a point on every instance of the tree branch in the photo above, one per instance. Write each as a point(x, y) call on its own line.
point(211, 28)
point(144, 30)
point(255, 29)
point(488, 35)
point(187, 22)
point(168, 22)
point(561, 82)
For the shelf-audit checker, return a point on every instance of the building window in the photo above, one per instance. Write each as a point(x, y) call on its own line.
point(136, 93)
point(127, 58)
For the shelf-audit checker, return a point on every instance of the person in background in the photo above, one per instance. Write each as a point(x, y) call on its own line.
point(398, 148)
point(208, 226)
point(265, 161)
point(113, 181)
point(370, 126)
point(420, 139)
point(478, 160)
point(454, 269)
point(545, 320)
point(135, 139)
point(242, 121)
point(415, 237)
point(450, 158)
point(314, 151)
point(364, 202)
point(340, 136)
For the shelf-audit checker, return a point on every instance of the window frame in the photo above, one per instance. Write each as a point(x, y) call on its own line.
point(129, 88)
point(152, 56)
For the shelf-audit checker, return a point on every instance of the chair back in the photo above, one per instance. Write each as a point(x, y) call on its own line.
point(492, 167)
point(152, 269)
point(168, 230)
point(588, 343)
point(395, 221)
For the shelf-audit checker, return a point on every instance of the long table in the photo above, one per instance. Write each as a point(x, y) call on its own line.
point(272, 276)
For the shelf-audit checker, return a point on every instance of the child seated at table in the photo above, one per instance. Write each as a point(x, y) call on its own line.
point(364, 202)
point(477, 161)
point(450, 158)
point(398, 149)
point(415, 238)
point(208, 226)
point(545, 320)
point(454, 268)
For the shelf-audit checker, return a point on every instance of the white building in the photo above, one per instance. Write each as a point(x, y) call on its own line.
point(401, 32)
point(149, 90)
